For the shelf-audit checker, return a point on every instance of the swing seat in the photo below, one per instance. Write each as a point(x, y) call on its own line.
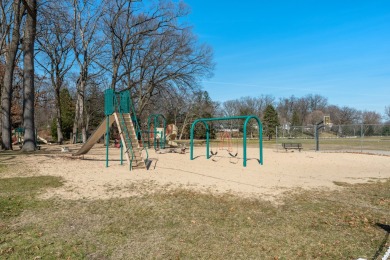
point(235, 155)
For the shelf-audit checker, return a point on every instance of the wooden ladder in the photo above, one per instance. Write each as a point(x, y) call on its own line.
point(129, 139)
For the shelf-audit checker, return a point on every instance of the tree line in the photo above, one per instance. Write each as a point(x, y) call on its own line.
point(58, 56)
point(298, 111)
point(286, 111)
point(301, 111)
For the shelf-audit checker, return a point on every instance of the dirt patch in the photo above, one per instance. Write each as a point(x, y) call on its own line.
point(88, 178)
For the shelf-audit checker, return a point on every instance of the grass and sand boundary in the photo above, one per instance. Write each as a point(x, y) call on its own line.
point(298, 205)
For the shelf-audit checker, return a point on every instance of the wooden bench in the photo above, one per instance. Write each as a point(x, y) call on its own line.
point(292, 146)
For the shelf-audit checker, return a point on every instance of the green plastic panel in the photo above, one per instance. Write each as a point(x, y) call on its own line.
point(109, 102)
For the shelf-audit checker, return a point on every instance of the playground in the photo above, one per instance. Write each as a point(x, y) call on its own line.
point(141, 193)
point(88, 176)
point(227, 160)
point(316, 204)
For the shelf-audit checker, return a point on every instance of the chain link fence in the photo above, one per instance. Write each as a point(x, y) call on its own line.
point(351, 138)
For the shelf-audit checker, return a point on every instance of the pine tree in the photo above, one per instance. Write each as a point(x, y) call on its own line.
point(270, 121)
point(67, 112)
point(67, 115)
point(295, 121)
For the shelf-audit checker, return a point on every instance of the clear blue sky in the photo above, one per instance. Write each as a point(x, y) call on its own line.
point(338, 49)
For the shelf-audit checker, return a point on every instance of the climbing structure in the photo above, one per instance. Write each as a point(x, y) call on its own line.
point(119, 108)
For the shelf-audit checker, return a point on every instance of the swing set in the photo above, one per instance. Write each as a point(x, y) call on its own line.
point(209, 153)
point(225, 143)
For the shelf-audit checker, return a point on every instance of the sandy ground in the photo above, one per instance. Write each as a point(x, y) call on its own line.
point(282, 172)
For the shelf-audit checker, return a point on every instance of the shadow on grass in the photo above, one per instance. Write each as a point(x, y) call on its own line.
point(384, 242)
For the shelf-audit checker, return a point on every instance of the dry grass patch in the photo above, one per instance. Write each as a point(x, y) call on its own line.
point(180, 224)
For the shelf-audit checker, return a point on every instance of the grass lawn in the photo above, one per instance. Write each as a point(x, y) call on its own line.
point(187, 225)
point(358, 144)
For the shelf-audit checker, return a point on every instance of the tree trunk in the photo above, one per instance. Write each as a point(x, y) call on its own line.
point(60, 136)
point(28, 77)
point(6, 96)
point(76, 120)
point(80, 109)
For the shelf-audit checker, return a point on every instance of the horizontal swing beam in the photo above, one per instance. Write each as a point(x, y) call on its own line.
point(246, 118)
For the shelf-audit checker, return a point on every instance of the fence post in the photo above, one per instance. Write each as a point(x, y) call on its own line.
point(361, 138)
point(276, 137)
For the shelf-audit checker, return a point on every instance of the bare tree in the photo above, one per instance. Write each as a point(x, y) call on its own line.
point(55, 45)
point(344, 115)
point(168, 63)
point(371, 118)
point(6, 16)
point(230, 108)
point(387, 112)
point(86, 46)
point(302, 107)
point(314, 117)
point(128, 26)
point(152, 54)
point(285, 109)
point(10, 50)
point(29, 75)
point(317, 102)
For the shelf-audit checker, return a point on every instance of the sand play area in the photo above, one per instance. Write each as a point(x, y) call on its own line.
point(282, 172)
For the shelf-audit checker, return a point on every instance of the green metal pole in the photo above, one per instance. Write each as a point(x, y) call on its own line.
point(164, 129)
point(149, 117)
point(208, 142)
point(247, 118)
point(244, 143)
point(192, 144)
point(261, 142)
point(107, 138)
point(155, 130)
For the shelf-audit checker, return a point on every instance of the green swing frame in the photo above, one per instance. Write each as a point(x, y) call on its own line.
point(246, 119)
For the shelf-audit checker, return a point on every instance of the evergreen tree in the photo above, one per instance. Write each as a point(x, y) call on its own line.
point(270, 121)
point(295, 121)
point(67, 115)
point(68, 112)
point(204, 108)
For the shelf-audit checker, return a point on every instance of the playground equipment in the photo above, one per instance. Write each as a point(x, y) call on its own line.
point(161, 133)
point(119, 108)
point(246, 118)
point(158, 133)
point(317, 129)
point(170, 135)
point(19, 132)
point(225, 141)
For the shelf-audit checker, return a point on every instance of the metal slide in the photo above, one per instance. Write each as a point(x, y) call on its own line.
point(101, 130)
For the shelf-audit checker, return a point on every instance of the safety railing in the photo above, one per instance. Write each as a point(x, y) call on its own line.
point(124, 129)
point(137, 128)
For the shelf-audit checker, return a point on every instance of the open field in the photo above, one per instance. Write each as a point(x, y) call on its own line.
point(298, 205)
point(379, 145)
point(373, 144)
